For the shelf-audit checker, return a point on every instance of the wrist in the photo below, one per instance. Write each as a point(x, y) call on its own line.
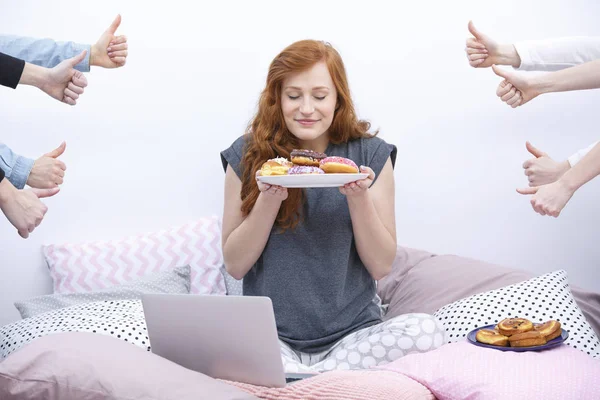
point(7, 190)
point(34, 75)
point(569, 182)
point(509, 55)
point(563, 167)
point(93, 56)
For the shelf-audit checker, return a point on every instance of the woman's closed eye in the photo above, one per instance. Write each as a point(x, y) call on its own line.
point(297, 97)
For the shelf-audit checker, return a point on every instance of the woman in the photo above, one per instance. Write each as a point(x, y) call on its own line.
point(317, 252)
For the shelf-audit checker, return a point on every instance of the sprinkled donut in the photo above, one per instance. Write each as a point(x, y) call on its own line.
point(302, 169)
point(338, 165)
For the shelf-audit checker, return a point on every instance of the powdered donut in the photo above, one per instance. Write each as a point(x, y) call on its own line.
point(338, 165)
point(275, 166)
point(306, 157)
point(302, 169)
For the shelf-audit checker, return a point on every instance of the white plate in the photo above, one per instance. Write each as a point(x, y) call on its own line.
point(311, 180)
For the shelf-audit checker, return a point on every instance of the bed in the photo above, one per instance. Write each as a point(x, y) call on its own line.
point(88, 339)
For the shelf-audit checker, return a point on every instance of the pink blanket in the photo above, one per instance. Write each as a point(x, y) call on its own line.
point(345, 385)
point(464, 371)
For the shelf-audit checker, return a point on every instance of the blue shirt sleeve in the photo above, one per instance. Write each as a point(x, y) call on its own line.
point(15, 167)
point(44, 52)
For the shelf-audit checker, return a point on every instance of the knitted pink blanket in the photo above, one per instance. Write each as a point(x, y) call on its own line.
point(345, 385)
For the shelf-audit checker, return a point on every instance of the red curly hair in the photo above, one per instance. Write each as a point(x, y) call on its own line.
point(267, 135)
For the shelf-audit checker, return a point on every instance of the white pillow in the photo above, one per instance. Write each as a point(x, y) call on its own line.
point(173, 281)
point(539, 299)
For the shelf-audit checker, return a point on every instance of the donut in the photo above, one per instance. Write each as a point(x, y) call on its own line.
point(549, 329)
point(306, 157)
point(303, 169)
point(512, 326)
point(342, 165)
point(526, 339)
point(492, 337)
point(275, 166)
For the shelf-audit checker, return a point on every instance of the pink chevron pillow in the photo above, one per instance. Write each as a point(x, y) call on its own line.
point(86, 267)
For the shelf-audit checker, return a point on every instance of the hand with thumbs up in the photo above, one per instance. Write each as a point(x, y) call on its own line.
point(483, 51)
point(542, 169)
point(549, 199)
point(23, 208)
point(516, 89)
point(110, 51)
point(63, 82)
point(48, 172)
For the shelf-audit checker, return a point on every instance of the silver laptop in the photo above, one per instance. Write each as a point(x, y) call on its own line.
point(225, 337)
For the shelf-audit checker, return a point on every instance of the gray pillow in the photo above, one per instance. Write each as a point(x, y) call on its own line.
point(173, 281)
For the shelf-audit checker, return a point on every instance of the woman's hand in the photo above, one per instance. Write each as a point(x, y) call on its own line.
point(278, 192)
point(359, 187)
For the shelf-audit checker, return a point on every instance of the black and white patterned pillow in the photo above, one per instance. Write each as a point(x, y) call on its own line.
point(121, 319)
point(539, 299)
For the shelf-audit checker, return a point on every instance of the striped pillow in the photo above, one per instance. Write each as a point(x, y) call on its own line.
point(87, 267)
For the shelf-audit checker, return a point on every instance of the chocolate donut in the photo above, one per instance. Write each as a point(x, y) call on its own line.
point(306, 157)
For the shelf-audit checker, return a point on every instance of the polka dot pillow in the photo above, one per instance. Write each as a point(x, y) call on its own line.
point(539, 299)
point(121, 319)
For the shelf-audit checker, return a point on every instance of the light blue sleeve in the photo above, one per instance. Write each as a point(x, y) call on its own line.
point(44, 52)
point(16, 167)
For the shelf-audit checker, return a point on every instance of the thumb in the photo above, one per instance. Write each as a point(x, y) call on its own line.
point(78, 58)
point(533, 150)
point(42, 193)
point(501, 73)
point(529, 190)
point(57, 152)
point(115, 25)
point(478, 35)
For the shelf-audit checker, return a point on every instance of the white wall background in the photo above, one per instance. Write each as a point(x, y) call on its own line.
point(143, 143)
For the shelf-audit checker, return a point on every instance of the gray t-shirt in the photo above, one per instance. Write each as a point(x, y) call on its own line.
point(320, 288)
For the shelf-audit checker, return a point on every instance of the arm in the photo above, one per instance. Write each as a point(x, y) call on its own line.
point(109, 51)
point(244, 239)
point(532, 55)
point(374, 222)
point(585, 170)
point(556, 54)
point(44, 52)
point(580, 77)
point(517, 89)
point(575, 158)
point(11, 70)
point(16, 167)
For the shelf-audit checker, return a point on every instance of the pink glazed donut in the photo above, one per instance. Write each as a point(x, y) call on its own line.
point(338, 165)
point(303, 169)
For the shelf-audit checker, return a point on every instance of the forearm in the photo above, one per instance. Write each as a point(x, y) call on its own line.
point(246, 243)
point(557, 54)
point(34, 75)
point(44, 52)
point(580, 77)
point(375, 244)
point(575, 158)
point(585, 170)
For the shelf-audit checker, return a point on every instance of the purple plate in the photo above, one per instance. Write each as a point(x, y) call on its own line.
point(553, 343)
